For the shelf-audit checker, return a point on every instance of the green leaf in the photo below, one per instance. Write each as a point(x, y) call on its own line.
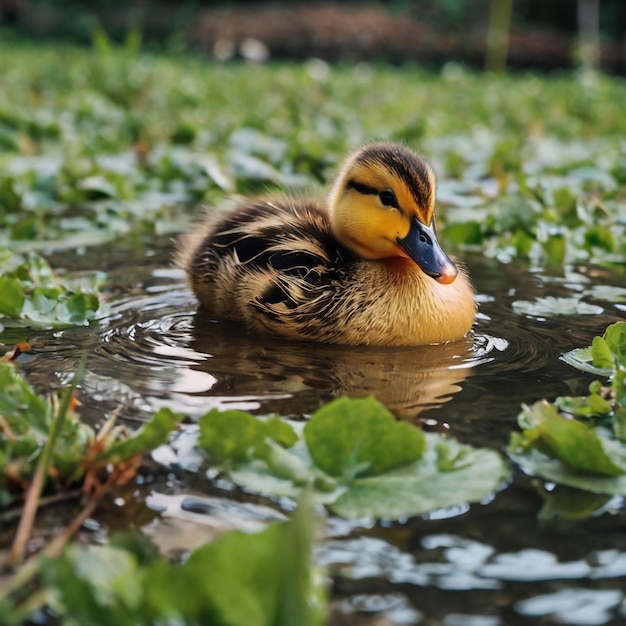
point(425, 471)
point(554, 248)
point(100, 586)
point(585, 406)
point(539, 463)
point(601, 354)
point(232, 437)
point(619, 424)
point(81, 307)
point(11, 297)
point(264, 579)
point(615, 338)
point(604, 353)
point(154, 433)
point(431, 483)
point(569, 440)
point(229, 436)
point(32, 293)
point(360, 437)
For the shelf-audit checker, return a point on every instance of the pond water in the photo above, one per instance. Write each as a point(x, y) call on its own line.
point(494, 563)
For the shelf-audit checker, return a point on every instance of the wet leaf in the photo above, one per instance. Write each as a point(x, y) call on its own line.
point(585, 406)
point(572, 442)
point(601, 355)
point(236, 436)
point(360, 438)
point(538, 463)
point(615, 338)
point(151, 435)
point(428, 484)
point(604, 354)
point(545, 307)
point(33, 295)
point(359, 462)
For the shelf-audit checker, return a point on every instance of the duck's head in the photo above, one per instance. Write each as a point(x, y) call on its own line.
point(382, 206)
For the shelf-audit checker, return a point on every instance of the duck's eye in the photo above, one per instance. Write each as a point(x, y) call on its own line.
point(388, 198)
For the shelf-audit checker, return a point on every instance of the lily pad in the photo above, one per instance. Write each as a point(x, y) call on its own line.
point(32, 295)
point(604, 354)
point(537, 463)
point(549, 306)
point(359, 461)
point(571, 441)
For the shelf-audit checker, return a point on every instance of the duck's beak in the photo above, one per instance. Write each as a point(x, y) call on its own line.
point(422, 246)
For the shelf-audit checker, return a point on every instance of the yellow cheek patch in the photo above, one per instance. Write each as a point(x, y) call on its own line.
point(380, 177)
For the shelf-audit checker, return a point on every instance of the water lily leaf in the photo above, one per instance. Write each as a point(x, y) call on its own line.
point(343, 456)
point(545, 307)
point(423, 486)
point(360, 437)
point(538, 463)
point(604, 353)
point(572, 442)
point(607, 293)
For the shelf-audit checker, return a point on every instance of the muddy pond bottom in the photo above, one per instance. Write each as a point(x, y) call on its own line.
point(516, 559)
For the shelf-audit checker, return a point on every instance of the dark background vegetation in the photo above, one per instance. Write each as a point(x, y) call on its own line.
point(543, 33)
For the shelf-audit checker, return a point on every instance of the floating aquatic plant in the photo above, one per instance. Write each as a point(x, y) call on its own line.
point(355, 456)
point(581, 441)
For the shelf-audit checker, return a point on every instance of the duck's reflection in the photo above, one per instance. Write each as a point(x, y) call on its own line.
point(293, 377)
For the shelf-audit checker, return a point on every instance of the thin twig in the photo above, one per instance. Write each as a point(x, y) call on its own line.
point(31, 567)
point(55, 498)
point(31, 504)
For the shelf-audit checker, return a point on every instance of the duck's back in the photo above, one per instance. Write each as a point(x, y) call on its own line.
point(273, 263)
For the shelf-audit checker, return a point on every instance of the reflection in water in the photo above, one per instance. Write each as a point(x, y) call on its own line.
point(406, 380)
point(158, 349)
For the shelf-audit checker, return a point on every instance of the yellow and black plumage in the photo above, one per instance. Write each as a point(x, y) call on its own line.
point(363, 267)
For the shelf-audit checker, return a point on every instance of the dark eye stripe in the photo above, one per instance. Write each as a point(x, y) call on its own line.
point(361, 188)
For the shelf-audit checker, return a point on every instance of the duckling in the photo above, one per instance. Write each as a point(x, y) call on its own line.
point(364, 267)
